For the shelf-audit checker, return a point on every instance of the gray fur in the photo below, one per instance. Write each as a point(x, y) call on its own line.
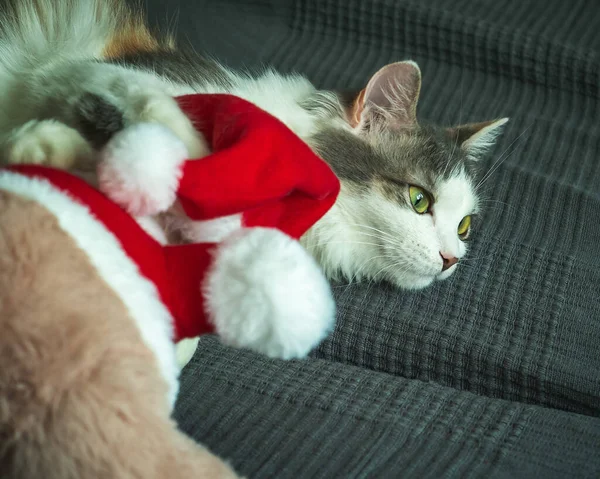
point(423, 156)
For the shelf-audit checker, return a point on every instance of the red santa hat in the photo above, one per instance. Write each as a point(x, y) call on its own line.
point(261, 289)
point(257, 168)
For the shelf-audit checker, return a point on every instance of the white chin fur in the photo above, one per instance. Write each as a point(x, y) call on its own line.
point(414, 283)
point(140, 168)
point(265, 293)
point(421, 282)
point(446, 274)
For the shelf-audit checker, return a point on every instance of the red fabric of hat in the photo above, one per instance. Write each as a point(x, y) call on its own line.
point(258, 168)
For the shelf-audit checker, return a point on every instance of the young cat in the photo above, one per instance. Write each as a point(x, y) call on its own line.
point(408, 198)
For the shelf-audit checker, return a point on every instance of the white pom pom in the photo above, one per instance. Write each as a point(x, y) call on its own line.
point(140, 168)
point(266, 293)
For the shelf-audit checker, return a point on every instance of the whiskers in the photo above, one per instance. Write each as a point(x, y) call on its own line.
point(362, 270)
point(375, 237)
point(375, 234)
point(381, 233)
point(501, 159)
point(380, 274)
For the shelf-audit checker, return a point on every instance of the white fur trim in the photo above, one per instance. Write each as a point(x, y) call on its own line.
point(266, 293)
point(105, 253)
point(140, 168)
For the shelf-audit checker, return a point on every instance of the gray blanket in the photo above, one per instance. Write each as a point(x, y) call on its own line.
point(493, 373)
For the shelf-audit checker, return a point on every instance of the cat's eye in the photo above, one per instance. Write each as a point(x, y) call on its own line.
point(463, 227)
point(419, 199)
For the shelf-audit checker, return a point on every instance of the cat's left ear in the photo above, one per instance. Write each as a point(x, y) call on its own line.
point(391, 96)
point(477, 138)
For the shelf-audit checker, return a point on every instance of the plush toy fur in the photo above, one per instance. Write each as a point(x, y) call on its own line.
point(81, 394)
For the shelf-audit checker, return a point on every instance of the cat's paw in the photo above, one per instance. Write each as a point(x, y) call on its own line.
point(48, 143)
point(185, 350)
point(163, 109)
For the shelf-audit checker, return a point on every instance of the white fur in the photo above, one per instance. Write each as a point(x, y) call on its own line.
point(280, 96)
point(456, 199)
point(36, 41)
point(140, 168)
point(265, 293)
point(369, 236)
point(122, 275)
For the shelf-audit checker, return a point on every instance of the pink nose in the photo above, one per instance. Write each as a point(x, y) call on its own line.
point(448, 261)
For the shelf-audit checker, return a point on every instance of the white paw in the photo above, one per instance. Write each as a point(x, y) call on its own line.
point(48, 143)
point(140, 168)
point(184, 350)
point(266, 293)
point(163, 109)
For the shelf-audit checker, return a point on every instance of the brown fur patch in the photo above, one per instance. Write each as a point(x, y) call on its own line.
point(133, 35)
point(81, 395)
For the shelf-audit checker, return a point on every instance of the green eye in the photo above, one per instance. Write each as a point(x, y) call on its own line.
point(419, 199)
point(463, 227)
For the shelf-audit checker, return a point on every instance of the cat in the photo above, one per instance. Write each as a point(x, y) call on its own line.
point(408, 203)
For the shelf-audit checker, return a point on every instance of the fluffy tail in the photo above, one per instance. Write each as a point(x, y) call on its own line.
point(37, 32)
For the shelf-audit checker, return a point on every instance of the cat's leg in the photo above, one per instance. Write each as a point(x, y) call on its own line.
point(99, 116)
point(45, 142)
point(150, 106)
point(44, 110)
point(136, 97)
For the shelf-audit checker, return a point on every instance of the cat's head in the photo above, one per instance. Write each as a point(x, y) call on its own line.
point(409, 201)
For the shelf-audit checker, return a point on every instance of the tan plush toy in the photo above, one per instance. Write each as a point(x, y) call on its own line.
point(91, 303)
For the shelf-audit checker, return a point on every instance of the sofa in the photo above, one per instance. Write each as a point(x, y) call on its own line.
point(494, 373)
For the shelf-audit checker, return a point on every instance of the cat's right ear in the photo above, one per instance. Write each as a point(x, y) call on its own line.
point(391, 96)
point(477, 138)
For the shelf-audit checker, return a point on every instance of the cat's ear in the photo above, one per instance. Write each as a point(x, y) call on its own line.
point(391, 96)
point(477, 138)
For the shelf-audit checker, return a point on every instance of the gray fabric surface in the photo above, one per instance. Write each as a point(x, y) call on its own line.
point(443, 382)
point(322, 419)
